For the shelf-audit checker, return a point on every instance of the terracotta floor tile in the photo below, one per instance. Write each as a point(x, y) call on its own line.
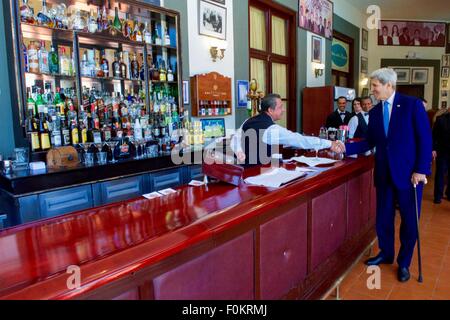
point(356, 296)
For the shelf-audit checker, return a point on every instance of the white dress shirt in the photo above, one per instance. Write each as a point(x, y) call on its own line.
point(277, 135)
point(354, 123)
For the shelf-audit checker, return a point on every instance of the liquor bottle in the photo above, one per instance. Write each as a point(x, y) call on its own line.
point(33, 57)
point(65, 63)
point(53, 61)
point(147, 34)
point(117, 24)
point(43, 133)
point(157, 38)
point(134, 67)
point(26, 13)
point(123, 67)
point(137, 33)
point(155, 73)
point(43, 59)
point(127, 30)
point(162, 71)
point(65, 133)
point(92, 23)
point(137, 130)
point(25, 58)
point(116, 67)
point(32, 127)
point(167, 37)
point(99, 20)
point(170, 76)
point(85, 72)
point(43, 17)
point(106, 133)
point(104, 64)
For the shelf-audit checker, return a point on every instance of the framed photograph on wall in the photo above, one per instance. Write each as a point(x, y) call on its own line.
point(212, 20)
point(445, 72)
point(222, 2)
point(365, 39)
point(446, 60)
point(419, 76)
point(412, 33)
point(444, 104)
point(403, 75)
point(364, 65)
point(242, 92)
point(444, 84)
point(186, 92)
point(316, 49)
point(316, 16)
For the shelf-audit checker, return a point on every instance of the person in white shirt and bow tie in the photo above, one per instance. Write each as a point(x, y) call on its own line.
point(339, 117)
point(359, 124)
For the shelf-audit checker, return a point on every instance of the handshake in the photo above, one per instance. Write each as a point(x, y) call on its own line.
point(337, 146)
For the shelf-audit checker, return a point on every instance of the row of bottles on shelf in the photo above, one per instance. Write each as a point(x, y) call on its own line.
point(214, 108)
point(53, 118)
point(94, 63)
point(122, 23)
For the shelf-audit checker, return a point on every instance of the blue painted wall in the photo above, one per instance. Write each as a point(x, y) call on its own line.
point(6, 115)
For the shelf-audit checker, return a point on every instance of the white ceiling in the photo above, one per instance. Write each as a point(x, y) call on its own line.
point(434, 10)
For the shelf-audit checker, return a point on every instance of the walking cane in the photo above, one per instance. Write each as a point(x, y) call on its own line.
point(418, 235)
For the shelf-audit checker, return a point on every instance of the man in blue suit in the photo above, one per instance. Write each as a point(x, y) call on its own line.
point(400, 131)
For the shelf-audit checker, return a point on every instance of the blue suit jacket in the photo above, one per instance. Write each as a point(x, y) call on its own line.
point(407, 148)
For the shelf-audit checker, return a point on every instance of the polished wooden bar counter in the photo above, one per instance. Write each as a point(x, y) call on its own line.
point(211, 242)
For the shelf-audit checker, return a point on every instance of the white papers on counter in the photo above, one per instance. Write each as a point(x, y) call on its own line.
point(275, 178)
point(159, 194)
point(313, 161)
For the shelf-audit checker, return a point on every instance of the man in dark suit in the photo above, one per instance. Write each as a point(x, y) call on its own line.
point(385, 39)
point(441, 152)
point(339, 117)
point(439, 37)
point(400, 131)
point(405, 39)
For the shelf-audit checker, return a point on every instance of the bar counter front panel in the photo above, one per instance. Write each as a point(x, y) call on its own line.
point(211, 242)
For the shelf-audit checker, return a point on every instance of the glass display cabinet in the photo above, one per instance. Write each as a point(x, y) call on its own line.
point(96, 72)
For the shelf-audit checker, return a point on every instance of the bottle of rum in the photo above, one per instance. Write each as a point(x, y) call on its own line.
point(43, 59)
point(134, 67)
point(116, 67)
point(27, 13)
point(43, 17)
point(44, 133)
point(65, 63)
point(104, 64)
point(123, 67)
point(33, 57)
point(137, 33)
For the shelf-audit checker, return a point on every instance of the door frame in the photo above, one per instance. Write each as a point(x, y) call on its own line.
point(271, 8)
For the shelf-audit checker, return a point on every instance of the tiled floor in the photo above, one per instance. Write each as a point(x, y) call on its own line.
point(435, 247)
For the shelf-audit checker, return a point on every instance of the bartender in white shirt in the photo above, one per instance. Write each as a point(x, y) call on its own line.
point(359, 124)
point(254, 139)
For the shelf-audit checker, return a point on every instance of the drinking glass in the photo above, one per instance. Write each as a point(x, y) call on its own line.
point(102, 157)
point(89, 159)
point(113, 145)
point(316, 143)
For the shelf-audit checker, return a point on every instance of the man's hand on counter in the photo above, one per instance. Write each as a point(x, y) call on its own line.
point(337, 146)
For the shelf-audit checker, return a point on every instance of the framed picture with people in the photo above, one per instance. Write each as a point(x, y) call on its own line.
point(212, 20)
point(412, 33)
point(316, 16)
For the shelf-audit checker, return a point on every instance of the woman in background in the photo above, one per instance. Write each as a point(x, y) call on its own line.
point(395, 35)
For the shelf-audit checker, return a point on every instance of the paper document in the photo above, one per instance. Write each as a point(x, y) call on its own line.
point(195, 183)
point(152, 195)
point(275, 178)
point(312, 161)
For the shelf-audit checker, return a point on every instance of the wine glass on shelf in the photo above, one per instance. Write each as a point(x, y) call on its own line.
point(112, 144)
point(142, 144)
